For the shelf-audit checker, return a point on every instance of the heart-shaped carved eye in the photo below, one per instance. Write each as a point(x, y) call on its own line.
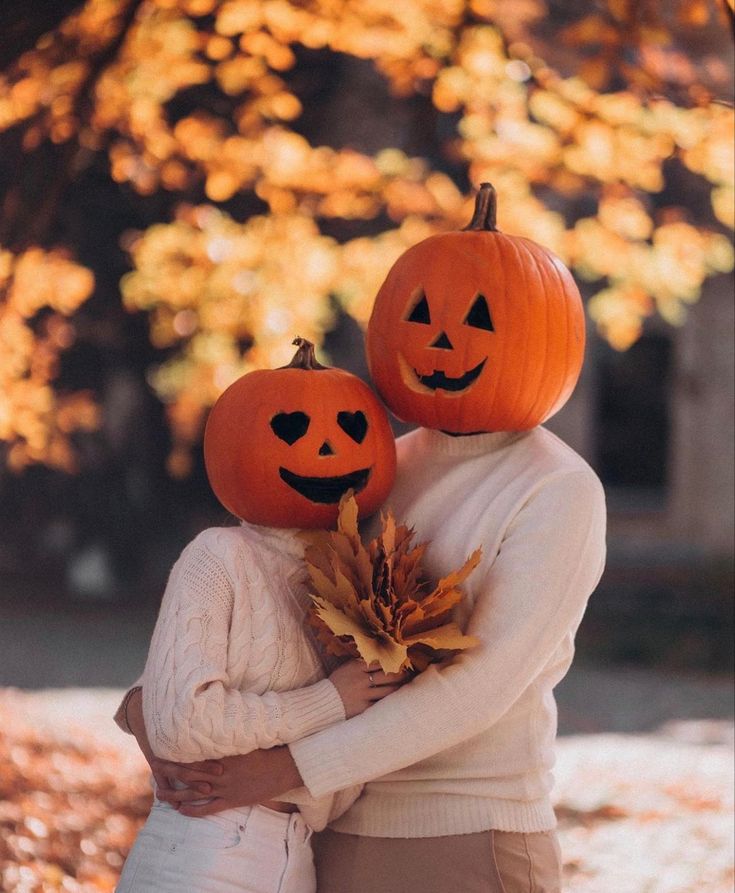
point(290, 426)
point(354, 424)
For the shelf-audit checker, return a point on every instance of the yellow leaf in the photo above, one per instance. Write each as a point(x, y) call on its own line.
point(339, 592)
point(349, 563)
point(372, 602)
point(317, 556)
point(338, 646)
point(430, 612)
point(456, 578)
point(348, 535)
point(347, 517)
point(449, 637)
point(389, 654)
point(388, 535)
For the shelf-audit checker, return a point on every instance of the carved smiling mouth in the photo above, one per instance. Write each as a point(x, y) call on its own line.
point(439, 381)
point(325, 490)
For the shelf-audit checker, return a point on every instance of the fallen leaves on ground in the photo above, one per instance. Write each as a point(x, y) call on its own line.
point(69, 809)
point(646, 813)
point(638, 813)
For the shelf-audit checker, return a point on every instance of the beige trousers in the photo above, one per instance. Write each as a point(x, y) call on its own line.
point(489, 862)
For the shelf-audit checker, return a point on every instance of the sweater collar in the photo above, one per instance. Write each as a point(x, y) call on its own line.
point(469, 445)
point(281, 539)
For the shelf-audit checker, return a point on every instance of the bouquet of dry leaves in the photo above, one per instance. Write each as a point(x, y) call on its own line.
point(372, 602)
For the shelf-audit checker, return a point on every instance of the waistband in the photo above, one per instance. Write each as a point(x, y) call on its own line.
point(258, 820)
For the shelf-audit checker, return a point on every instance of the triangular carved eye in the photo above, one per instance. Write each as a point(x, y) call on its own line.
point(479, 315)
point(353, 423)
point(290, 426)
point(420, 312)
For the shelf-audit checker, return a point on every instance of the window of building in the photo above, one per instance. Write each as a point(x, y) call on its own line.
point(633, 420)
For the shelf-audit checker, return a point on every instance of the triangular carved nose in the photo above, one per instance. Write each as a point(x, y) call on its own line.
point(326, 449)
point(443, 342)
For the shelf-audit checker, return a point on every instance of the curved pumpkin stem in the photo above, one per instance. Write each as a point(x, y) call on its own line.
point(486, 205)
point(304, 358)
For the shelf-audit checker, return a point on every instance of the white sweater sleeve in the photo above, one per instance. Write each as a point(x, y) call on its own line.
point(533, 596)
point(190, 707)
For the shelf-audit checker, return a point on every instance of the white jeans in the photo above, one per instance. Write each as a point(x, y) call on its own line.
point(250, 850)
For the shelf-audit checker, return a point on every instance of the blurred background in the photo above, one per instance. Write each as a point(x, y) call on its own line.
point(187, 184)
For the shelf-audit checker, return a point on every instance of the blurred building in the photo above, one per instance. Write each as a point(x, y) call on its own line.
point(656, 422)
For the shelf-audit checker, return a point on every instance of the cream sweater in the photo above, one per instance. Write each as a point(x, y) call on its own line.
point(232, 666)
point(469, 746)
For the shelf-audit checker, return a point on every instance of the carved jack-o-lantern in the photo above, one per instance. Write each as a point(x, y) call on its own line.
point(281, 446)
point(476, 330)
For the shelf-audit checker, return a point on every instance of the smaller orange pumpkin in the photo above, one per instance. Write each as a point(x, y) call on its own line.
point(281, 446)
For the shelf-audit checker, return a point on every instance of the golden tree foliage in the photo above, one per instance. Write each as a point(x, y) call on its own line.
point(36, 420)
point(224, 296)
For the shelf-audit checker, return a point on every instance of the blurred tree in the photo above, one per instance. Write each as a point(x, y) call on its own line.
point(234, 168)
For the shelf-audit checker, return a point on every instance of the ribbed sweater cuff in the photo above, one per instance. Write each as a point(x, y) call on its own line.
point(321, 775)
point(311, 709)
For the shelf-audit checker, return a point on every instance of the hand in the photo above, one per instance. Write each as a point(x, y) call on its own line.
point(360, 685)
point(136, 724)
point(242, 780)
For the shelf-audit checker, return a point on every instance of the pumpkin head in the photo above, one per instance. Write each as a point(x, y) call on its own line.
point(476, 330)
point(281, 446)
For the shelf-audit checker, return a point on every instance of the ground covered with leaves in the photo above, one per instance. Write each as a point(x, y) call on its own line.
point(71, 801)
point(638, 814)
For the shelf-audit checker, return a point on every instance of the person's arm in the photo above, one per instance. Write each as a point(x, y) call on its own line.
point(533, 596)
point(191, 709)
point(359, 687)
point(122, 721)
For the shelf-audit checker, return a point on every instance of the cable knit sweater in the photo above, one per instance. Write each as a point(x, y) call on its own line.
point(232, 666)
point(468, 746)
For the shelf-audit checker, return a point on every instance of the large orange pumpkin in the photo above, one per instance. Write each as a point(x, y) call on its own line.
point(281, 446)
point(476, 330)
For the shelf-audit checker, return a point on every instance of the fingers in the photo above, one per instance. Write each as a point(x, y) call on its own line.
point(190, 776)
point(168, 795)
point(161, 781)
point(381, 691)
point(209, 767)
point(378, 678)
point(216, 805)
point(177, 797)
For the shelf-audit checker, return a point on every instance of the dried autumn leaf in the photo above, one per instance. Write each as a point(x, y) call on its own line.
point(444, 638)
point(373, 603)
point(391, 655)
point(456, 578)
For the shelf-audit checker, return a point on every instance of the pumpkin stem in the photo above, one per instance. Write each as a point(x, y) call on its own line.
point(304, 358)
point(486, 205)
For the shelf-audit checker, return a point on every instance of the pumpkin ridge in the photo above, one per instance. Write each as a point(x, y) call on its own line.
point(568, 352)
point(526, 353)
point(497, 360)
point(540, 391)
point(564, 383)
